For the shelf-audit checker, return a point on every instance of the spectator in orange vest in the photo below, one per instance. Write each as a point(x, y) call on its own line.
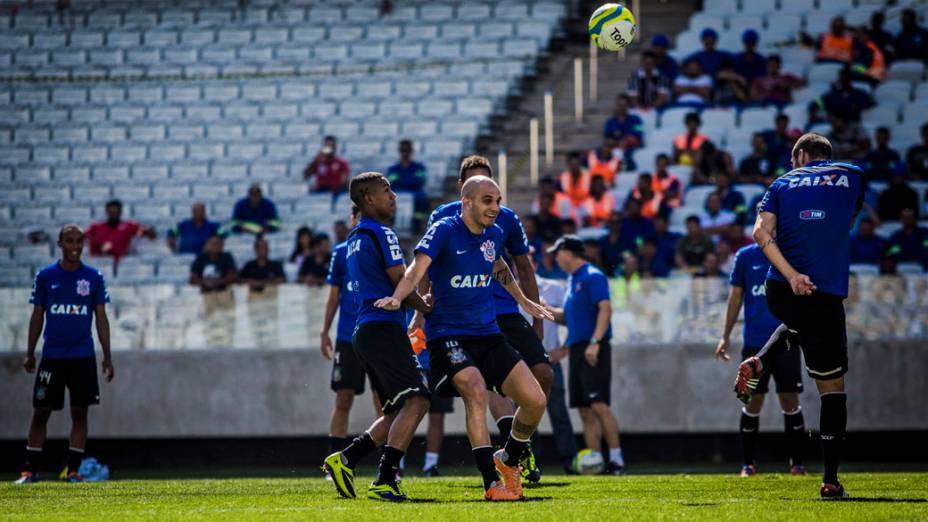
point(665, 184)
point(836, 45)
point(687, 144)
point(869, 63)
point(649, 201)
point(558, 205)
point(575, 181)
point(603, 161)
point(596, 209)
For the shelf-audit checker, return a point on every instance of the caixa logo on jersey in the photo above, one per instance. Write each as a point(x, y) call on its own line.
point(68, 309)
point(812, 215)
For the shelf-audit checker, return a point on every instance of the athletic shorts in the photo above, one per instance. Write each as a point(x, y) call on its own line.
point(347, 373)
point(819, 322)
point(523, 338)
point(491, 354)
point(78, 375)
point(588, 384)
point(784, 363)
point(439, 404)
point(386, 355)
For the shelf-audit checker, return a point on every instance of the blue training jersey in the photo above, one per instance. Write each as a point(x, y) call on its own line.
point(514, 239)
point(373, 248)
point(68, 297)
point(586, 287)
point(338, 276)
point(815, 206)
point(750, 274)
point(461, 273)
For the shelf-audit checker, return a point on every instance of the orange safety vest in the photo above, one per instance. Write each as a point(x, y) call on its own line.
point(689, 145)
point(578, 192)
point(606, 169)
point(560, 206)
point(598, 211)
point(660, 187)
point(651, 207)
point(833, 47)
point(877, 69)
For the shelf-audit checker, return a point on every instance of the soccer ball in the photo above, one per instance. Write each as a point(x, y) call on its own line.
point(612, 27)
point(588, 462)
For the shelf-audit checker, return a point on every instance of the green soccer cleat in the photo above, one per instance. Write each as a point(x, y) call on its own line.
point(530, 470)
point(342, 476)
point(389, 491)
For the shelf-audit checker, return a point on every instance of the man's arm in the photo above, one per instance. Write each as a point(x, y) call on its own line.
point(504, 276)
point(764, 232)
point(405, 284)
point(331, 305)
point(36, 322)
point(529, 287)
point(103, 333)
point(735, 300)
point(603, 316)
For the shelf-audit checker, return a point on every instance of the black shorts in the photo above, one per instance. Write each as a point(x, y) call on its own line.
point(784, 363)
point(522, 337)
point(386, 355)
point(78, 375)
point(819, 322)
point(439, 404)
point(589, 384)
point(347, 373)
point(491, 354)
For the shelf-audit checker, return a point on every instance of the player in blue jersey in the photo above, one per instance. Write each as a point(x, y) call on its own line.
point(525, 338)
point(467, 353)
point(375, 266)
point(66, 296)
point(803, 229)
point(785, 364)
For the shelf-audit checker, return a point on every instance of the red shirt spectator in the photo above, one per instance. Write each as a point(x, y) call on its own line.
point(329, 172)
point(114, 236)
point(777, 86)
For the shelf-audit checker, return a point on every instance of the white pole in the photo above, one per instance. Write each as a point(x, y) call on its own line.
point(549, 129)
point(578, 90)
point(636, 11)
point(501, 167)
point(533, 151)
point(594, 72)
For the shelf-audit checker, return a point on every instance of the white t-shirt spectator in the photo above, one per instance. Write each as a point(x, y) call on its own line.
point(552, 293)
point(724, 217)
point(703, 80)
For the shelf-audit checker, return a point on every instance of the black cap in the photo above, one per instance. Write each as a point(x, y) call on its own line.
point(570, 242)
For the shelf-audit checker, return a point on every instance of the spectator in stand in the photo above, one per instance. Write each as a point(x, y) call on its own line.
point(643, 194)
point(843, 99)
point(731, 199)
point(636, 227)
point(711, 267)
point(780, 140)
point(897, 198)
point(693, 88)
point(262, 273)
point(593, 253)
point(604, 161)
point(549, 225)
point(650, 264)
point(302, 246)
point(665, 240)
point(759, 164)
point(909, 244)
point(341, 230)
point(648, 88)
point(328, 172)
point(664, 62)
point(615, 244)
point(775, 87)
point(315, 268)
point(749, 64)
point(626, 130)
point(881, 162)
point(114, 236)
point(710, 58)
point(869, 62)
point(575, 181)
point(735, 237)
point(866, 246)
point(410, 176)
point(714, 219)
point(726, 257)
point(711, 161)
point(692, 248)
point(881, 37)
point(888, 266)
point(255, 214)
point(836, 45)
point(731, 89)
point(912, 41)
point(687, 144)
point(568, 227)
point(530, 227)
point(664, 184)
point(189, 236)
point(849, 140)
point(213, 271)
point(752, 205)
point(629, 277)
point(559, 205)
point(596, 209)
point(917, 157)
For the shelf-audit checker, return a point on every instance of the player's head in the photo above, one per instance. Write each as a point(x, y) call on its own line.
point(114, 211)
point(810, 147)
point(371, 192)
point(198, 211)
point(355, 215)
point(405, 150)
point(262, 249)
point(474, 166)
point(71, 242)
point(568, 253)
point(480, 201)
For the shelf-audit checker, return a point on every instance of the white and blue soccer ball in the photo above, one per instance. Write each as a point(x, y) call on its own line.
point(612, 27)
point(589, 462)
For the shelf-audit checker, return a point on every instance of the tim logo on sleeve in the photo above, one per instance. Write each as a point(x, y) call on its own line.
point(812, 215)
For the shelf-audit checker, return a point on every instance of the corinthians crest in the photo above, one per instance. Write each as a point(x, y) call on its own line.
point(489, 251)
point(83, 287)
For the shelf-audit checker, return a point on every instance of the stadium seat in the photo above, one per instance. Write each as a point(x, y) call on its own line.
point(909, 268)
point(722, 119)
point(824, 72)
point(898, 91)
point(758, 7)
point(739, 23)
point(707, 20)
point(720, 6)
point(695, 196)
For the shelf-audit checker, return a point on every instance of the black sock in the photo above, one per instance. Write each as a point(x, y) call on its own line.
point(360, 447)
point(832, 425)
point(795, 427)
point(748, 427)
point(337, 443)
point(75, 456)
point(389, 465)
point(484, 457)
point(33, 459)
point(505, 426)
point(514, 449)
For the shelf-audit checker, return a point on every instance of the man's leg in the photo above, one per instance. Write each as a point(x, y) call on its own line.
point(338, 424)
point(592, 429)
point(832, 425)
point(35, 442)
point(610, 427)
point(544, 374)
point(560, 420)
point(794, 425)
point(525, 391)
point(503, 411)
point(400, 435)
point(473, 390)
point(433, 439)
point(78, 440)
point(748, 427)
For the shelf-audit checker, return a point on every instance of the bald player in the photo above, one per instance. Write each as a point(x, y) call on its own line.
point(66, 297)
point(468, 354)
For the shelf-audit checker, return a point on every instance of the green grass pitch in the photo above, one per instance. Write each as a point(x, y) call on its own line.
point(876, 496)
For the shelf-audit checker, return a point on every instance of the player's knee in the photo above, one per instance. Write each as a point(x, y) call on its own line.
point(418, 404)
point(544, 374)
point(535, 402)
point(754, 406)
point(586, 413)
point(599, 408)
point(470, 385)
point(343, 400)
point(789, 402)
point(79, 414)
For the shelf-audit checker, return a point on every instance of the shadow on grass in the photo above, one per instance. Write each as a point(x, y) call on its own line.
point(886, 500)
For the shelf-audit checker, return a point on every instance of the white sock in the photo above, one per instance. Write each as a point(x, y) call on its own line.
point(431, 459)
point(615, 455)
point(403, 463)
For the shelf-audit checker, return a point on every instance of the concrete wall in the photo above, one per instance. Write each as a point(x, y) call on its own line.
point(286, 392)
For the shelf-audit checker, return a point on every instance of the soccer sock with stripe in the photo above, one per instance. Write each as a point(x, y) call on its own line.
point(75, 456)
point(483, 455)
point(33, 459)
point(832, 425)
point(795, 427)
point(750, 423)
point(338, 443)
point(514, 449)
point(360, 447)
point(389, 465)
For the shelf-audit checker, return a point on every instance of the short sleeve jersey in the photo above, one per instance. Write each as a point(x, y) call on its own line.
point(586, 287)
point(750, 273)
point(514, 239)
point(68, 297)
point(815, 206)
point(461, 274)
point(339, 277)
point(373, 248)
